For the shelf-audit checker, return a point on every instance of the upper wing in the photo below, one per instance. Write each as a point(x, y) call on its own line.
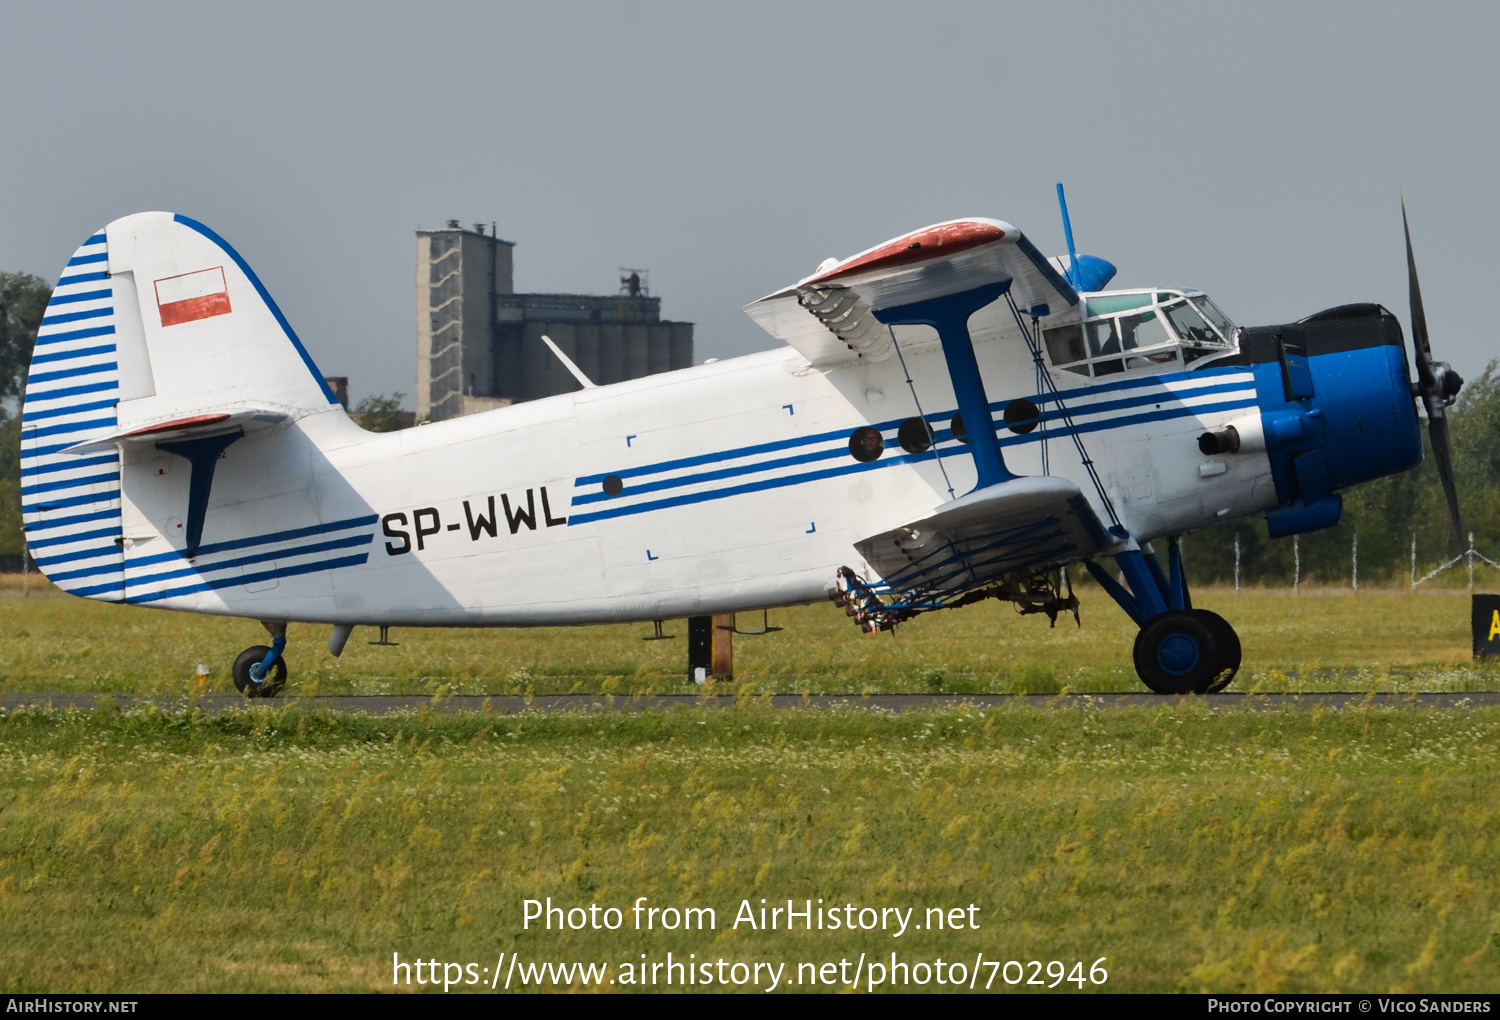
point(1020, 526)
point(827, 316)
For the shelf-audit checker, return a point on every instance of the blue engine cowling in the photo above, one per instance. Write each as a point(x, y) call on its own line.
point(1336, 406)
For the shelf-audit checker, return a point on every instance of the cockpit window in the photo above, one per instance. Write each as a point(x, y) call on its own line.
point(1103, 339)
point(1103, 342)
point(1065, 348)
point(1190, 325)
point(1125, 331)
point(1108, 304)
point(1212, 313)
point(1144, 330)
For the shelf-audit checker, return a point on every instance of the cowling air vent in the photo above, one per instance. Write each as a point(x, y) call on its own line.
point(848, 317)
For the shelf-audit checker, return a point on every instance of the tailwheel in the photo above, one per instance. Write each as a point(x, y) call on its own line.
point(252, 679)
point(1186, 651)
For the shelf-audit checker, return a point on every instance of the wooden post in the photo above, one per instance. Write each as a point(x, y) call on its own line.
point(723, 653)
point(700, 647)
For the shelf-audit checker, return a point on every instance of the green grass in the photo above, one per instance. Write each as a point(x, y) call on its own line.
point(283, 849)
point(276, 849)
point(1325, 639)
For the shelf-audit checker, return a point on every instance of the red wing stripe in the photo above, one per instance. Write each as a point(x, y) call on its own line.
point(181, 423)
point(929, 243)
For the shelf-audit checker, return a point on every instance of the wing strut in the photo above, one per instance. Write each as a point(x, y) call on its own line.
point(950, 317)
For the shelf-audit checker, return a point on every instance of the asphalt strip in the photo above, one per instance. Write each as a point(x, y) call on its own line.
point(385, 704)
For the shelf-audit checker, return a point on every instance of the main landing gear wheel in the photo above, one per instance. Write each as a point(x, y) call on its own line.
point(250, 659)
point(1186, 651)
point(1230, 643)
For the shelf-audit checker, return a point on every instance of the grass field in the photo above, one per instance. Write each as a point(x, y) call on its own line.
point(1326, 639)
point(1196, 850)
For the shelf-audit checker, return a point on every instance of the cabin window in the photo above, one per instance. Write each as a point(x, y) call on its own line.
point(914, 435)
point(1022, 416)
point(956, 426)
point(866, 444)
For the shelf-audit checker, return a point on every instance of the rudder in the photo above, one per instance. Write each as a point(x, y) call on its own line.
point(70, 505)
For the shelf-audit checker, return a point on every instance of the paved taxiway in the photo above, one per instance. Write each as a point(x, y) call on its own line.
point(384, 704)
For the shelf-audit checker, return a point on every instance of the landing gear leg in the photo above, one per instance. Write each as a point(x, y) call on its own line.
point(260, 671)
point(1180, 650)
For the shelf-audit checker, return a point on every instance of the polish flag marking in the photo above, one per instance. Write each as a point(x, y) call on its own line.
point(192, 296)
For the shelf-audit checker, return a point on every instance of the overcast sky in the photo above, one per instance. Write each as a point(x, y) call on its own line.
point(1256, 151)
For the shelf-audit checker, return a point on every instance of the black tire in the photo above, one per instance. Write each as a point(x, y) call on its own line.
point(1229, 643)
point(1180, 652)
point(271, 686)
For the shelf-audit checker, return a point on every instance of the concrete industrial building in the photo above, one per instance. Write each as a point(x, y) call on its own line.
point(479, 343)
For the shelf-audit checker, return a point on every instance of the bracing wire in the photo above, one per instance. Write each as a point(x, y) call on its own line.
point(1062, 409)
point(920, 413)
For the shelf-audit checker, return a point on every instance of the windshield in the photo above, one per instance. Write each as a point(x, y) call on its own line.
point(1211, 311)
point(1190, 325)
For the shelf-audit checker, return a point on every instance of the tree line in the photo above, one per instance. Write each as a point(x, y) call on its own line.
point(1385, 514)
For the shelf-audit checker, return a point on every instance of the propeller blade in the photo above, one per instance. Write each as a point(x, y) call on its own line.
point(1436, 383)
point(1418, 315)
point(1442, 451)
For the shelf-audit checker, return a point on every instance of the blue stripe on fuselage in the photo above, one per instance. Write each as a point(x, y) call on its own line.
point(941, 437)
point(814, 476)
point(884, 426)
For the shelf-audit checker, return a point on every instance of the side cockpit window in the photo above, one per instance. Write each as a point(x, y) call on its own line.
point(1065, 348)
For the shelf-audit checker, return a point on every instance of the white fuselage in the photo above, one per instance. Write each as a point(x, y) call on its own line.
point(737, 492)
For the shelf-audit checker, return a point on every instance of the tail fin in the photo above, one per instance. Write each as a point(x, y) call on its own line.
point(202, 332)
point(156, 328)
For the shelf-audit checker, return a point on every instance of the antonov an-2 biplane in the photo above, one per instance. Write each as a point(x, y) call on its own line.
point(953, 417)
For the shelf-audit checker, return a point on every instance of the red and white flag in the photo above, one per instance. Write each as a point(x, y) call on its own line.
point(192, 296)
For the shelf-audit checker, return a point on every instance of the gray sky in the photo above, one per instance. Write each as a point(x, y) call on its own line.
point(1256, 151)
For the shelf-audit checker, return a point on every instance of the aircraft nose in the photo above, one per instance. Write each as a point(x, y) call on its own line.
point(1449, 381)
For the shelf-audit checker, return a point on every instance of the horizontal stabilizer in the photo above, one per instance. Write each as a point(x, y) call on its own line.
point(195, 426)
point(1016, 527)
point(827, 316)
